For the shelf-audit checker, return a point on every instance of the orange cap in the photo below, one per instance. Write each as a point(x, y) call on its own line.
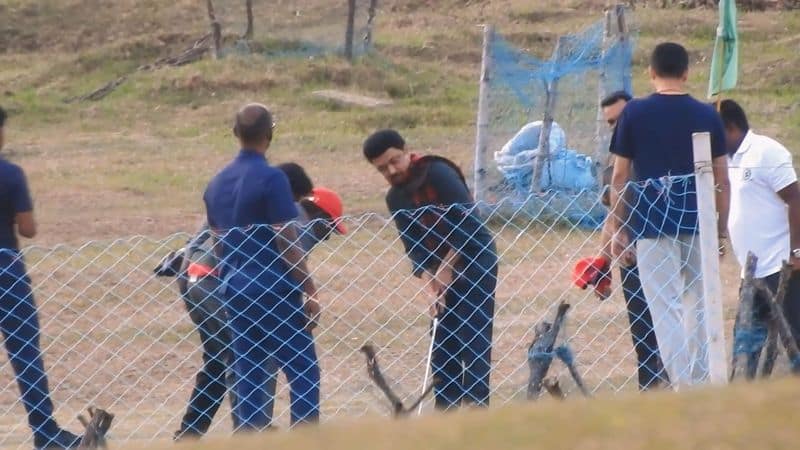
point(330, 202)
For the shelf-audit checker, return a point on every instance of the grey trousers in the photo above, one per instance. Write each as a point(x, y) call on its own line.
point(670, 270)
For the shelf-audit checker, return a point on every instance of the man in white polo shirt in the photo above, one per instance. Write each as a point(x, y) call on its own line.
point(764, 213)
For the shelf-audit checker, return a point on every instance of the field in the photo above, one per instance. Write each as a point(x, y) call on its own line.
point(136, 162)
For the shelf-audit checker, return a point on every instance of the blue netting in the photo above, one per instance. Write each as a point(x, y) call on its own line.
point(583, 66)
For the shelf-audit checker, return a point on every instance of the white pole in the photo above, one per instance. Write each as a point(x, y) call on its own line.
point(709, 253)
point(482, 134)
point(434, 326)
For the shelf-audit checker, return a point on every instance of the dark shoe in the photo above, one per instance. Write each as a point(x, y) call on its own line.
point(186, 435)
point(63, 439)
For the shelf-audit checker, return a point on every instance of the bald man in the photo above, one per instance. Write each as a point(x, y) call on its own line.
point(248, 205)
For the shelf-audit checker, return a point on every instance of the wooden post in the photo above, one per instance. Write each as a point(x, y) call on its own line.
point(248, 33)
point(551, 92)
point(348, 36)
point(371, 11)
point(216, 31)
point(709, 255)
point(602, 133)
point(482, 133)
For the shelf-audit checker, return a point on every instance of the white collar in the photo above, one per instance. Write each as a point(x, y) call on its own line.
point(747, 142)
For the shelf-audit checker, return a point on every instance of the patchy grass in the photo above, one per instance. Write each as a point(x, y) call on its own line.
point(736, 418)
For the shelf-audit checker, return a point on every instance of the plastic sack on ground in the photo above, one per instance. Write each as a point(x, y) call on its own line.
point(566, 169)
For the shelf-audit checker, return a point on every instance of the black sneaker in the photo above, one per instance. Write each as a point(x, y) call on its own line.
point(63, 439)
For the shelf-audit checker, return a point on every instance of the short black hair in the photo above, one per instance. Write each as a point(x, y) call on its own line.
point(614, 97)
point(380, 141)
point(299, 180)
point(733, 115)
point(669, 60)
point(254, 123)
point(3, 117)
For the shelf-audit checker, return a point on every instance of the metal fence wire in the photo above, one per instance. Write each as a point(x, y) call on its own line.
point(114, 334)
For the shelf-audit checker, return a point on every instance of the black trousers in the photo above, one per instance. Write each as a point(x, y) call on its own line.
point(211, 383)
point(650, 368)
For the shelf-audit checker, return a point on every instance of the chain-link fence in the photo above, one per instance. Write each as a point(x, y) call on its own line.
point(116, 335)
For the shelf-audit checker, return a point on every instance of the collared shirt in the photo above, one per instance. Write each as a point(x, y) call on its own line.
point(655, 132)
point(243, 201)
point(14, 199)
point(759, 219)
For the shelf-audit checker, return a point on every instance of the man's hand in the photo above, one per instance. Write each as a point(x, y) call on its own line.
point(795, 263)
point(437, 285)
point(313, 311)
point(622, 249)
point(603, 293)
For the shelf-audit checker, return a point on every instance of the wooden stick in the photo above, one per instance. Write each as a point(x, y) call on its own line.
point(96, 428)
point(540, 352)
point(770, 353)
point(553, 388)
point(563, 356)
point(375, 374)
point(778, 319)
point(744, 317)
point(551, 96)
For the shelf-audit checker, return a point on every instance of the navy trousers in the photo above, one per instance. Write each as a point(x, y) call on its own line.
point(19, 323)
point(462, 350)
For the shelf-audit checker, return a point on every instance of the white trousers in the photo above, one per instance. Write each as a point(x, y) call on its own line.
point(670, 270)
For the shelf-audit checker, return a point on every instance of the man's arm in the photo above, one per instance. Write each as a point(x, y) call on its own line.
point(23, 206)
point(791, 196)
point(294, 256)
point(411, 235)
point(723, 193)
point(26, 224)
point(619, 180)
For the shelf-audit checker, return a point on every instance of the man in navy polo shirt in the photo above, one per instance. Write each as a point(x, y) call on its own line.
point(19, 320)
point(653, 147)
point(264, 276)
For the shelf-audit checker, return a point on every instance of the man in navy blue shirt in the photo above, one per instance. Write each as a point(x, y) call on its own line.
point(18, 316)
point(248, 205)
point(653, 145)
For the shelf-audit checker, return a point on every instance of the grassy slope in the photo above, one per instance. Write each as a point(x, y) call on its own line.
point(742, 417)
point(136, 161)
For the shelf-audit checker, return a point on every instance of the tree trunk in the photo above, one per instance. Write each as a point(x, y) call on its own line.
point(216, 30)
point(248, 33)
